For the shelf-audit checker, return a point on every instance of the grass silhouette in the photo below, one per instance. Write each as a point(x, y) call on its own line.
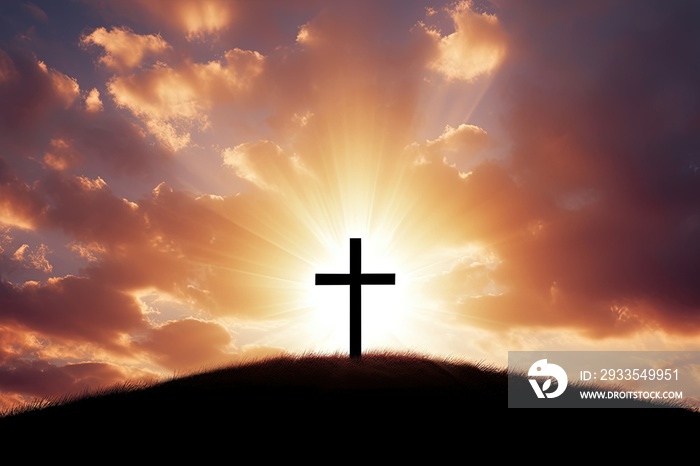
point(327, 390)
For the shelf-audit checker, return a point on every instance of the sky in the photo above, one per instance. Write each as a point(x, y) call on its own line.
point(173, 174)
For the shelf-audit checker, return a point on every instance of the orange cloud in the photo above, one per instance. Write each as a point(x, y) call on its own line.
point(173, 101)
point(5, 238)
point(196, 19)
point(60, 155)
point(90, 251)
point(263, 163)
point(29, 369)
point(19, 253)
point(35, 259)
point(228, 269)
point(93, 102)
point(459, 147)
point(476, 47)
point(20, 205)
point(124, 49)
point(39, 261)
point(67, 89)
point(188, 344)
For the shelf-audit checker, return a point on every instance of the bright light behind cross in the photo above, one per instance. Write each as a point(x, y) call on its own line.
point(385, 309)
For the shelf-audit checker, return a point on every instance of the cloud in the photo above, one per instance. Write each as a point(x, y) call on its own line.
point(598, 232)
point(114, 141)
point(230, 269)
point(199, 249)
point(7, 67)
point(20, 205)
point(123, 48)
point(36, 12)
point(19, 253)
point(459, 147)
point(180, 111)
point(173, 101)
point(87, 209)
point(93, 102)
point(263, 163)
point(35, 259)
point(5, 238)
point(65, 87)
point(40, 115)
point(188, 344)
point(31, 91)
point(88, 251)
point(42, 379)
point(195, 19)
point(198, 18)
point(476, 47)
point(38, 259)
point(69, 307)
point(60, 155)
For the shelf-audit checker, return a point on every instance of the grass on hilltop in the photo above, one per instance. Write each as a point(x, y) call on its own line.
point(311, 387)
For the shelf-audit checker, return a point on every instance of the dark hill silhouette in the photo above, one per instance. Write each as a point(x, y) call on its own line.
point(323, 390)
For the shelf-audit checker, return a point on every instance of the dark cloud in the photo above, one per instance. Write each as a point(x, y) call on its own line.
point(603, 116)
point(89, 211)
point(71, 308)
point(41, 379)
point(33, 96)
point(20, 204)
point(36, 12)
point(42, 106)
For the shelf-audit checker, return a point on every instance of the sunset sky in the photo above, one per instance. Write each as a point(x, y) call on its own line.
point(173, 174)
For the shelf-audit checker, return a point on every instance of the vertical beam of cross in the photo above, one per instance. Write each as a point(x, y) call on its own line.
point(355, 279)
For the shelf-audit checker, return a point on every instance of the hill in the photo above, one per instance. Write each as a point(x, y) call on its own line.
point(332, 391)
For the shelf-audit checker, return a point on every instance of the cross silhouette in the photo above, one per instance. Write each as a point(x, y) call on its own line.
point(355, 279)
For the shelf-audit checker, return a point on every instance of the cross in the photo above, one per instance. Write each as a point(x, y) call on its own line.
point(355, 279)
